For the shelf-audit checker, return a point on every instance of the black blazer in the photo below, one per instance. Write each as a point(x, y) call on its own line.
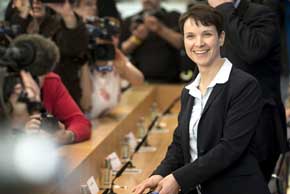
point(226, 163)
point(252, 44)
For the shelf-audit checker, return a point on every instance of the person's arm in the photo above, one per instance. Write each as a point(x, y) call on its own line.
point(72, 37)
point(136, 39)
point(65, 10)
point(127, 70)
point(60, 104)
point(17, 13)
point(240, 125)
point(174, 38)
point(175, 154)
point(87, 88)
point(253, 39)
point(173, 160)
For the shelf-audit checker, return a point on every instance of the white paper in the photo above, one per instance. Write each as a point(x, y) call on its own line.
point(132, 141)
point(115, 161)
point(93, 187)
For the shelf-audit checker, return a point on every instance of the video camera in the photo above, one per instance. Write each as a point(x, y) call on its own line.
point(102, 29)
point(32, 53)
point(8, 32)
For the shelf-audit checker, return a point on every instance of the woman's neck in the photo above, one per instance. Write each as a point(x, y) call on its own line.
point(207, 74)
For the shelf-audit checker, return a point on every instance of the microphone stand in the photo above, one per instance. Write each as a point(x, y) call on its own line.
point(129, 162)
point(119, 173)
point(167, 110)
point(150, 127)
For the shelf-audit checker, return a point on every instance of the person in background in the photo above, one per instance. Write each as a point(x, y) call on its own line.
point(48, 90)
point(86, 9)
point(108, 8)
point(253, 45)
point(59, 22)
point(212, 153)
point(152, 30)
point(97, 8)
point(102, 76)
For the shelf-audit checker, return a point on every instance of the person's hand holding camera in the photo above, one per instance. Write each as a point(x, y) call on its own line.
point(152, 23)
point(60, 135)
point(23, 6)
point(66, 11)
point(19, 109)
point(141, 32)
point(30, 86)
point(33, 124)
point(19, 113)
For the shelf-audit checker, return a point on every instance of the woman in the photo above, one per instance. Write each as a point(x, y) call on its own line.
point(103, 76)
point(51, 93)
point(59, 22)
point(212, 150)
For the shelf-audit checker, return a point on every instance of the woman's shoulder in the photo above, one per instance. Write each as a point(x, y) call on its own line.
point(51, 80)
point(52, 76)
point(241, 81)
point(240, 76)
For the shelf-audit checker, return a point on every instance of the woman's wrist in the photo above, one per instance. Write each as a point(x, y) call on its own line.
point(71, 136)
point(135, 40)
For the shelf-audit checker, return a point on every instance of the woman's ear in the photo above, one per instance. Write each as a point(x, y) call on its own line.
point(222, 38)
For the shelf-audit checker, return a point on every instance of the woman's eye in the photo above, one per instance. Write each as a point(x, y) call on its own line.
point(207, 34)
point(190, 36)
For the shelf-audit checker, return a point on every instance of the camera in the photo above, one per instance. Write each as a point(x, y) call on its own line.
point(139, 19)
point(102, 29)
point(49, 123)
point(8, 32)
point(32, 53)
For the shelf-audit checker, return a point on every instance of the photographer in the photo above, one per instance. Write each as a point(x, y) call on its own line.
point(58, 22)
point(48, 90)
point(107, 65)
point(149, 31)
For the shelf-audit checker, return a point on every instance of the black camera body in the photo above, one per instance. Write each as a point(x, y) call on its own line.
point(49, 123)
point(8, 32)
point(103, 29)
point(139, 19)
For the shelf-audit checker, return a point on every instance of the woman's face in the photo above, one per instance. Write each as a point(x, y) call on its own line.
point(202, 43)
point(87, 8)
point(38, 9)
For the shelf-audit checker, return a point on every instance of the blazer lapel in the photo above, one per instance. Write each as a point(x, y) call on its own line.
point(218, 89)
point(185, 126)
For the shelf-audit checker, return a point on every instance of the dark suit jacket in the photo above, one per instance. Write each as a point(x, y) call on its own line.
point(252, 44)
point(226, 163)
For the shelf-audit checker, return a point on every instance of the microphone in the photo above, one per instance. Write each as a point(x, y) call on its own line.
point(150, 127)
point(119, 173)
point(129, 163)
point(33, 53)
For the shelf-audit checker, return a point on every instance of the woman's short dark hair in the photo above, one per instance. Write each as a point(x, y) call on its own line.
point(204, 14)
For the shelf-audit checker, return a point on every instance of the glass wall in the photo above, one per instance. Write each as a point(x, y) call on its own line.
point(3, 5)
point(129, 7)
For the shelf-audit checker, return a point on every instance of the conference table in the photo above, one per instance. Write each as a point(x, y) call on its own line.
point(84, 160)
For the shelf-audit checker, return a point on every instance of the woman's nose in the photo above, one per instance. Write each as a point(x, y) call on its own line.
point(199, 42)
